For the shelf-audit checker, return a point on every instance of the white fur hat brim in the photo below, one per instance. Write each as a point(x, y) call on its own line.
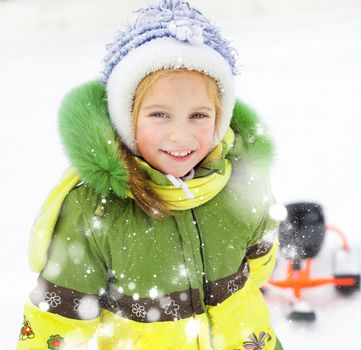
point(163, 53)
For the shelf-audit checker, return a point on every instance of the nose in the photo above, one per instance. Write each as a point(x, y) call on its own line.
point(179, 132)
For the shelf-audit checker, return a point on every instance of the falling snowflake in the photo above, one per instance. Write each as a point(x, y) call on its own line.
point(87, 307)
point(76, 252)
point(131, 285)
point(52, 299)
point(278, 212)
point(183, 296)
point(183, 270)
point(53, 269)
point(192, 328)
point(96, 223)
point(153, 292)
point(153, 314)
point(135, 296)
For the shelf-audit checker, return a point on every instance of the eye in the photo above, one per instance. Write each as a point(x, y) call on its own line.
point(199, 116)
point(158, 115)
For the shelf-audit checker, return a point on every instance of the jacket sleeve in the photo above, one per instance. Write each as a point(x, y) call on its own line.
point(62, 311)
point(263, 244)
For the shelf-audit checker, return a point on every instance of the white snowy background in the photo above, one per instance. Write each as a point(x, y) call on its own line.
point(301, 72)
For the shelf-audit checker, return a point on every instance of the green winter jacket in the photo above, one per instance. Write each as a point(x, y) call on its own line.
point(189, 281)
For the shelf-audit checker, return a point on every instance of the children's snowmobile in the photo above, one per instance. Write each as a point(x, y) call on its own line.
point(301, 237)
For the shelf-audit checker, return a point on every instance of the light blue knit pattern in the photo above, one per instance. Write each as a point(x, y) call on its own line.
point(168, 18)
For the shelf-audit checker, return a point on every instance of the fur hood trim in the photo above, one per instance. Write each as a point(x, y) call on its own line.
point(93, 146)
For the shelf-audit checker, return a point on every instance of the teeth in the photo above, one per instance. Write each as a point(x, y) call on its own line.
point(179, 154)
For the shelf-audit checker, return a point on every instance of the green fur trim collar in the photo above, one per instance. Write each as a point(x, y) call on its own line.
point(92, 145)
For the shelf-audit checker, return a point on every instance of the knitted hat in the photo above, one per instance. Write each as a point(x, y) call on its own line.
point(169, 34)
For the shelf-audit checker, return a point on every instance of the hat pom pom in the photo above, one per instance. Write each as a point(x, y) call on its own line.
point(185, 31)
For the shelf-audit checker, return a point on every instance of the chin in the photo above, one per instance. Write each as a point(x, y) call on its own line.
point(178, 173)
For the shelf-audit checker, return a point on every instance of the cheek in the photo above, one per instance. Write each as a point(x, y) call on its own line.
point(147, 137)
point(205, 137)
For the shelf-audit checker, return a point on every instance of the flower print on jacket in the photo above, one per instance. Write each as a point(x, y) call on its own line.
point(26, 332)
point(52, 299)
point(257, 343)
point(171, 308)
point(232, 287)
point(138, 310)
point(55, 342)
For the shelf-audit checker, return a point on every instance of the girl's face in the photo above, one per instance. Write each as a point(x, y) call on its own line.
point(176, 123)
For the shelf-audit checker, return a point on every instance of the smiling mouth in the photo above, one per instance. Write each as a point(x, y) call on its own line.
point(179, 155)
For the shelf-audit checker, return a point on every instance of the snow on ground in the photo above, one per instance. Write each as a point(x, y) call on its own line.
point(301, 73)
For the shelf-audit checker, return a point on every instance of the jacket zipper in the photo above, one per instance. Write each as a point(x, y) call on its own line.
point(204, 282)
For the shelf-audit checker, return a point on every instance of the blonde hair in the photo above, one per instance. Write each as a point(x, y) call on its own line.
point(140, 187)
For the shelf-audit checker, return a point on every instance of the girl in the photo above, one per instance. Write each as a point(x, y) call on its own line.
point(159, 235)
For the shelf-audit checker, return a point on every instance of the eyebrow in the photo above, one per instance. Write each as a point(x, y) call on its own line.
point(165, 107)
